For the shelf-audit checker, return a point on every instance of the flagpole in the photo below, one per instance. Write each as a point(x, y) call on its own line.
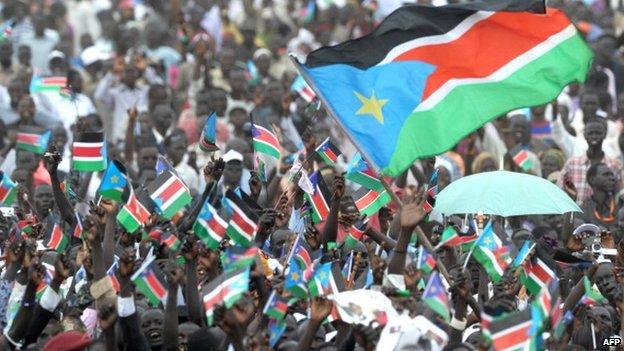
point(422, 238)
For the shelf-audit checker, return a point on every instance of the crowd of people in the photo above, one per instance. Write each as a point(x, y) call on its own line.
point(254, 251)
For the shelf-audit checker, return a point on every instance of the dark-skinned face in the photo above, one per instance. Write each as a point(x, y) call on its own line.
point(218, 102)
point(595, 134)
point(129, 76)
point(488, 165)
point(520, 130)
point(202, 108)
point(238, 84)
point(24, 55)
point(589, 105)
point(59, 138)
point(26, 108)
point(147, 158)
point(20, 176)
point(605, 281)
point(6, 51)
point(184, 331)
point(550, 164)
point(601, 317)
point(26, 160)
point(152, 325)
point(44, 199)
point(16, 90)
point(604, 179)
point(176, 149)
point(232, 174)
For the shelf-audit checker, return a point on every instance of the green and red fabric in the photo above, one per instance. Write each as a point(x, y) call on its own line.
point(133, 214)
point(172, 242)
point(302, 88)
point(397, 90)
point(89, 152)
point(301, 252)
point(425, 260)
point(358, 171)
point(435, 297)
point(150, 280)
point(592, 295)
point(319, 200)
point(521, 157)
point(209, 226)
point(57, 241)
point(265, 141)
point(114, 182)
point(490, 252)
point(8, 189)
point(511, 331)
point(169, 194)
point(39, 84)
point(537, 275)
point(112, 275)
point(78, 229)
point(33, 142)
point(225, 289)
point(451, 238)
point(237, 257)
point(369, 201)
point(328, 152)
point(276, 306)
point(243, 225)
point(327, 280)
point(355, 233)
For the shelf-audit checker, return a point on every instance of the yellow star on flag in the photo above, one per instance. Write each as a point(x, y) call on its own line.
point(371, 106)
point(114, 179)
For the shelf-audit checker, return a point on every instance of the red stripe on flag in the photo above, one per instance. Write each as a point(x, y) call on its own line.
point(216, 298)
point(266, 136)
point(55, 236)
point(486, 47)
point(367, 199)
point(155, 284)
point(88, 151)
point(330, 154)
point(3, 192)
point(542, 271)
point(171, 190)
point(512, 336)
point(241, 221)
point(27, 138)
point(320, 203)
point(216, 226)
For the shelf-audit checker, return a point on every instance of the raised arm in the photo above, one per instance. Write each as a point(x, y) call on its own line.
point(330, 231)
point(412, 213)
point(52, 161)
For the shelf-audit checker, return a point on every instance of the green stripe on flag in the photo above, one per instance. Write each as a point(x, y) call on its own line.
point(539, 81)
point(147, 291)
point(89, 166)
point(172, 208)
point(266, 148)
point(127, 220)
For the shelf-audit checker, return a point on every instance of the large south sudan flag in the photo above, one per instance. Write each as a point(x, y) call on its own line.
point(428, 76)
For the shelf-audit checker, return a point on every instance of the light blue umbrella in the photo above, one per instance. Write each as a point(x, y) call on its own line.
point(505, 194)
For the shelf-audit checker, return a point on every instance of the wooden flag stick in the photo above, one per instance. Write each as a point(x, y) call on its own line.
point(422, 238)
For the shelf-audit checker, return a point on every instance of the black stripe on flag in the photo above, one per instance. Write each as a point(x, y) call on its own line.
point(409, 23)
point(232, 196)
point(91, 137)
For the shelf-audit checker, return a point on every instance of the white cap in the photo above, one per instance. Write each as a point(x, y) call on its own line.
point(93, 54)
point(232, 155)
point(56, 54)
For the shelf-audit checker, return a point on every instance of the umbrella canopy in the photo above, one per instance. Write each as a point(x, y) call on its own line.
point(505, 194)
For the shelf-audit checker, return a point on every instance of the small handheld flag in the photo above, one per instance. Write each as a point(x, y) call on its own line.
point(328, 152)
point(114, 182)
point(169, 194)
point(78, 229)
point(319, 200)
point(369, 201)
point(243, 223)
point(57, 240)
point(8, 189)
point(302, 88)
point(276, 306)
point(209, 226)
point(89, 152)
point(208, 138)
point(150, 280)
point(236, 257)
point(37, 143)
point(435, 296)
point(425, 260)
point(358, 171)
point(521, 157)
point(39, 84)
point(172, 242)
point(133, 214)
point(265, 141)
point(227, 289)
point(327, 280)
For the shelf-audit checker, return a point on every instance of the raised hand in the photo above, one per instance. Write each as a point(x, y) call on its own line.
point(189, 249)
point(320, 308)
point(412, 212)
point(127, 263)
point(213, 170)
point(52, 159)
point(107, 315)
point(313, 236)
point(255, 185)
point(62, 267)
point(339, 187)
